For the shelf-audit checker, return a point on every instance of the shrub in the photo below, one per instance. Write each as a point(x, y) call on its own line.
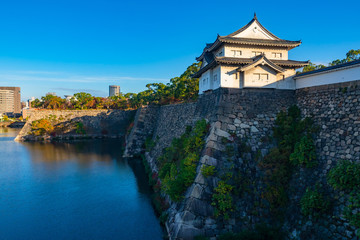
point(222, 200)
point(149, 144)
point(207, 171)
point(294, 145)
point(177, 165)
point(304, 153)
point(313, 203)
point(345, 176)
point(41, 127)
point(350, 212)
point(80, 128)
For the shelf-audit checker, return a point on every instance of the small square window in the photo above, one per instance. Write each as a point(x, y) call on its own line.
point(277, 55)
point(254, 53)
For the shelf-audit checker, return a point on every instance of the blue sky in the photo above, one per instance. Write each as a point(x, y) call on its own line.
point(71, 46)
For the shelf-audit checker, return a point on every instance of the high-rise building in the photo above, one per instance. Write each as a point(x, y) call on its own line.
point(10, 100)
point(114, 90)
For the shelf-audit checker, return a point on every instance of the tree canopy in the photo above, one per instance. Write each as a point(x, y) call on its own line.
point(350, 56)
point(179, 89)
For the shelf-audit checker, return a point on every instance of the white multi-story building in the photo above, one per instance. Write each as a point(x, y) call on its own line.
point(6, 101)
point(114, 90)
point(249, 57)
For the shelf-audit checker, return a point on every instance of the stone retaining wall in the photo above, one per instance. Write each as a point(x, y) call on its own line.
point(243, 119)
point(335, 109)
point(99, 123)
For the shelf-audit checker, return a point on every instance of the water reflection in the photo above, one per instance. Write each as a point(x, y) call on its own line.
point(79, 190)
point(8, 132)
point(85, 154)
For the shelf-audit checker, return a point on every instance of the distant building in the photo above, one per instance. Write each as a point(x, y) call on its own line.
point(114, 90)
point(249, 57)
point(51, 93)
point(10, 103)
point(68, 97)
point(30, 100)
point(24, 104)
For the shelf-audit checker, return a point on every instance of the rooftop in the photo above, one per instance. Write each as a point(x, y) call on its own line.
point(264, 38)
point(331, 68)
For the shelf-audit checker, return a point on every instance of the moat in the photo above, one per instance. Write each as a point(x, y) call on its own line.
point(80, 190)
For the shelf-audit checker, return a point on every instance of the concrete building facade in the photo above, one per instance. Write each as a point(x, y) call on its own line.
point(114, 90)
point(10, 100)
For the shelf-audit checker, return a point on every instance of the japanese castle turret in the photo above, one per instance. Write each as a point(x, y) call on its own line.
point(249, 57)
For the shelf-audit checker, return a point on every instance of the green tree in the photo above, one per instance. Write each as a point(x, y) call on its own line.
point(80, 100)
point(36, 103)
point(52, 102)
point(350, 56)
point(311, 67)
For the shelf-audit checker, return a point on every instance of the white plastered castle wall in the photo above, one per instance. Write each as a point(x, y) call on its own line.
point(277, 80)
point(229, 78)
point(339, 75)
point(247, 52)
point(210, 79)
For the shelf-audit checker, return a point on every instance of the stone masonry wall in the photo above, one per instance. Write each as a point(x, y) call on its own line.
point(141, 129)
point(247, 114)
point(97, 123)
point(243, 120)
point(335, 109)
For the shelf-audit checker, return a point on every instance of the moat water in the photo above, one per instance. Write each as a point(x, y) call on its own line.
point(80, 190)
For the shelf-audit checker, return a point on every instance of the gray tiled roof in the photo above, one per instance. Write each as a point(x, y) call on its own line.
point(286, 63)
point(339, 66)
point(244, 61)
point(261, 59)
point(249, 41)
point(253, 41)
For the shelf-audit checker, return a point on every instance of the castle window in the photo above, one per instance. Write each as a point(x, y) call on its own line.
point(254, 53)
point(260, 77)
point(277, 55)
point(215, 78)
point(236, 53)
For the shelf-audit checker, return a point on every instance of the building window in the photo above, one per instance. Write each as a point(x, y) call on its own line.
point(219, 54)
point(254, 53)
point(260, 77)
point(277, 55)
point(236, 53)
point(215, 78)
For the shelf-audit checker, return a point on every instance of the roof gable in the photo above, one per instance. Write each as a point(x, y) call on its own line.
point(262, 60)
point(255, 30)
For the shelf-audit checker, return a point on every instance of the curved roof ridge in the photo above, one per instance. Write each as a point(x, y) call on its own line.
point(248, 25)
point(261, 60)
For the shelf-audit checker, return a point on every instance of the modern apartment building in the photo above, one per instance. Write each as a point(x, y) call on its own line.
point(114, 90)
point(10, 100)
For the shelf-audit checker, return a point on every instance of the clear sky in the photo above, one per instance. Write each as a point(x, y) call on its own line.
point(71, 46)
